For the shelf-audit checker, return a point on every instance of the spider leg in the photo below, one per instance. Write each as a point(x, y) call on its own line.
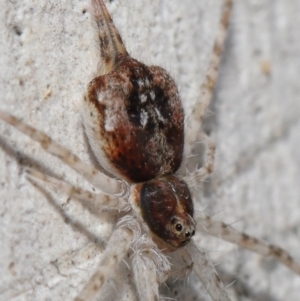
point(150, 267)
point(106, 201)
point(104, 183)
point(219, 229)
point(194, 178)
point(193, 123)
point(207, 274)
point(117, 246)
point(109, 39)
point(144, 271)
point(185, 270)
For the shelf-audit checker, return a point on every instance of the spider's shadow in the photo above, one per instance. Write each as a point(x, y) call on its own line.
point(26, 161)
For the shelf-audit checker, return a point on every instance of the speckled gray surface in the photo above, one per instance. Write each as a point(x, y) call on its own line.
point(46, 60)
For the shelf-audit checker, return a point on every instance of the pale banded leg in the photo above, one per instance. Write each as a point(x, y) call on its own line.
point(103, 182)
point(181, 264)
point(196, 177)
point(106, 201)
point(221, 230)
point(151, 267)
point(109, 39)
point(143, 245)
point(145, 278)
point(115, 250)
point(193, 123)
point(206, 272)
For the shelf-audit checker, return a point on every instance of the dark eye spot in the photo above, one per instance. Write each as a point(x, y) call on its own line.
point(173, 220)
point(178, 227)
point(193, 232)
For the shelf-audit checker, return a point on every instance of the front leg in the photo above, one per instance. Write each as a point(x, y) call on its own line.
point(194, 178)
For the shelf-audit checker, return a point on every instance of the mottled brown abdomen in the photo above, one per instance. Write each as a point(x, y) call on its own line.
point(138, 130)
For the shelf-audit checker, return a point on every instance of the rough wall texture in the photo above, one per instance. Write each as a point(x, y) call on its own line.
point(48, 246)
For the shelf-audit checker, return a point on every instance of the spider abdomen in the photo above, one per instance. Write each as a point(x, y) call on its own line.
point(135, 121)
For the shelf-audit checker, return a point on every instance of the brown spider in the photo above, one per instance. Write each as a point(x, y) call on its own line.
point(134, 122)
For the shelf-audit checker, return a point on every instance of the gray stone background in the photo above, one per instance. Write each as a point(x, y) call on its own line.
point(50, 247)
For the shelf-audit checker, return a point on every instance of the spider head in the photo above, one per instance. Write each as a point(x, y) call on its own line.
point(167, 208)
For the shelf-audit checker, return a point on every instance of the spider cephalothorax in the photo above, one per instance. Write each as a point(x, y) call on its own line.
point(167, 208)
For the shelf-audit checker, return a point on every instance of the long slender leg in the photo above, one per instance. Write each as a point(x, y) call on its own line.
point(221, 230)
point(193, 123)
point(151, 267)
point(206, 272)
point(100, 180)
point(144, 271)
point(116, 248)
point(182, 264)
point(106, 201)
point(196, 177)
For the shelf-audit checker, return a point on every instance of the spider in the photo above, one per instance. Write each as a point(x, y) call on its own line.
point(150, 235)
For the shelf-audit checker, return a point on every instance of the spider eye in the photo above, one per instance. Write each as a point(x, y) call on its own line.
point(178, 227)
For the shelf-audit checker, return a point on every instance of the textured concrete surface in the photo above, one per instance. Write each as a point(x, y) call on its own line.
point(48, 246)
